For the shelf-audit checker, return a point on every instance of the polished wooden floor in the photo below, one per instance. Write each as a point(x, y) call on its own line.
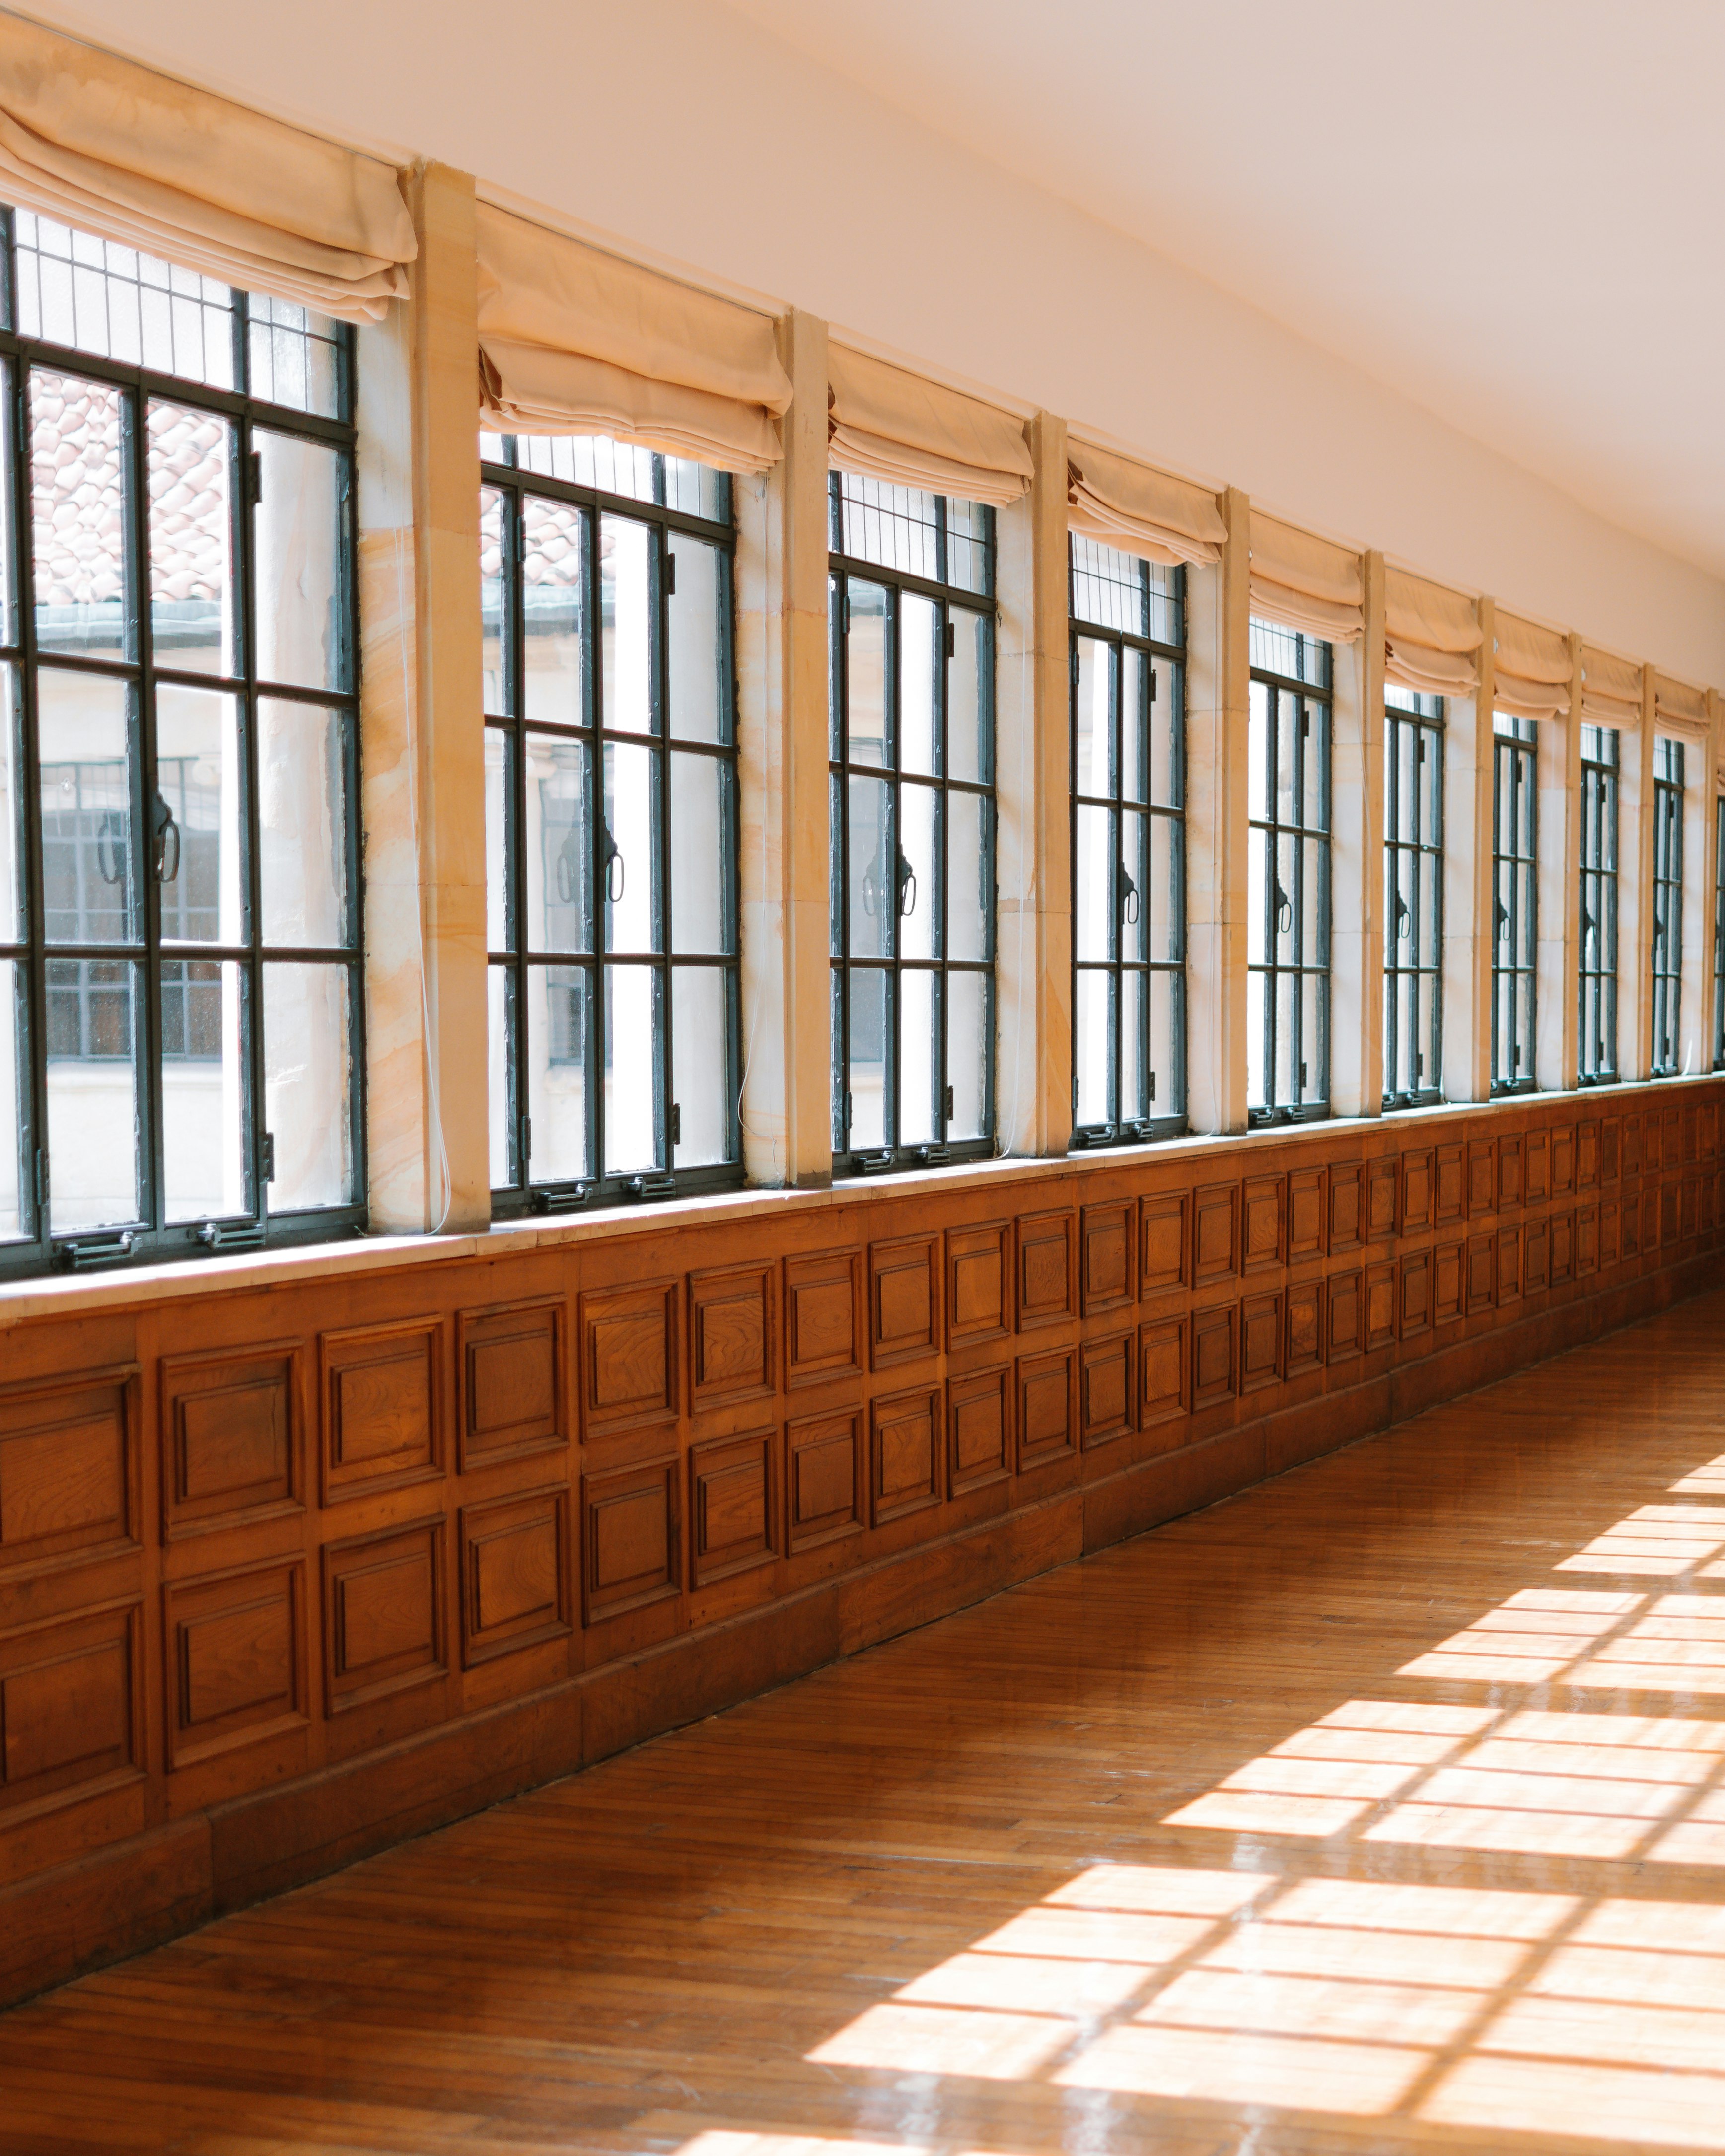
point(1382, 1808)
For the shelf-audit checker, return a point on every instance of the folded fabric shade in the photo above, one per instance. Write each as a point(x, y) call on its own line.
point(1140, 510)
point(1432, 636)
point(1531, 678)
point(1305, 582)
point(884, 423)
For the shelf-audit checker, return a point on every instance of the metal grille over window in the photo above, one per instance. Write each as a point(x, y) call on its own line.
point(1596, 1036)
point(912, 825)
point(1128, 846)
point(1668, 904)
point(1288, 950)
point(179, 891)
point(1515, 918)
point(611, 822)
point(1414, 898)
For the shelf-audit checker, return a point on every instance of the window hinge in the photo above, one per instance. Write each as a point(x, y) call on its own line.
point(41, 1179)
point(1302, 1078)
point(1072, 666)
point(1152, 1085)
point(671, 574)
point(846, 1112)
point(952, 641)
point(266, 1158)
point(1074, 1097)
point(949, 1104)
point(255, 478)
point(651, 1186)
point(527, 1137)
point(1153, 685)
point(520, 524)
point(558, 1197)
point(847, 613)
point(676, 1124)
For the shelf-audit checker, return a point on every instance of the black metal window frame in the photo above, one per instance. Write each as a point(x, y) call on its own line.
point(151, 1236)
point(1515, 903)
point(1302, 916)
point(1596, 972)
point(505, 475)
point(1719, 934)
point(845, 571)
point(1666, 956)
point(1413, 900)
point(1162, 669)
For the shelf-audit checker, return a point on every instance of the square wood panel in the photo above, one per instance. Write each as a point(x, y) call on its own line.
point(904, 1453)
point(1481, 1273)
point(1347, 1205)
point(823, 1318)
point(1264, 1204)
point(1610, 1231)
point(733, 1510)
point(1563, 1248)
point(1305, 1345)
point(1481, 1176)
point(236, 1660)
point(1611, 1147)
point(1215, 1233)
point(1108, 1257)
point(1414, 1316)
point(1587, 1154)
point(232, 1436)
point(1047, 1269)
point(1447, 1272)
point(1509, 1174)
point(1381, 1179)
point(1417, 1189)
point(1215, 1354)
point(383, 1397)
point(1261, 1341)
point(629, 1357)
point(1047, 1409)
point(1537, 1166)
point(71, 1707)
point(1536, 1256)
point(1587, 1238)
point(511, 1381)
point(733, 1323)
point(825, 1498)
point(69, 1468)
point(629, 1539)
point(979, 1429)
point(1106, 1388)
point(1380, 1304)
point(1630, 1136)
point(978, 1284)
point(385, 1622)
point(515, 1590)
point(1164, 1373)
point(1164, 1250)
point(1343, 1317)
point(1509, 1264)
point(1451, 1198)
point(1309, 1200)
point(904, 1300)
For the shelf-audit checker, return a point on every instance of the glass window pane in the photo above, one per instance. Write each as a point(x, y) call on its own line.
point(1288, 1056)
point(1259, 1010)
point(303, 763)
point(98, 297)
point(970, 1050)
point(870, 1056)
point(189, 476)
point(203, 1085)
point(702, 867)
point(558, 1055)
point(702, 1029)
point(1142, 891)
point(918, 890)
point(93, 1115)
point(1093, 1045)
point(627, 591)
point(501, 1038)
point(299, 558)
point(8, 535)
point(78, 517)
point(970, 736)
point(699, 658)
point(1167, 1043)
point(1257, 886)
point(1094, 872)
point(1314, 1073)
point(558, 848)
point(970, 854)
point(634, 1027)
point(919, 1057)
point(87, 738)
point(12, 804)
point(1133, 1103)
point(195, 851)
point(922, 663)
point(865, 672)
point(14, 1092)
point(873, 868)
point(553, 684)
point(1135, 709)
point(629, 849)
point(500, 757)
point(308, 1071)
point(294, 354)
point(493, 601)
point(1092, 720)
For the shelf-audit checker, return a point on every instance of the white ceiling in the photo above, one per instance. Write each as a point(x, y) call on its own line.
point(1509, 209)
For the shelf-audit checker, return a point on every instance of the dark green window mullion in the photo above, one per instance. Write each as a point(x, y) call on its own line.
point(598, 1032)
point(513, 635)
point(244, 511)
point(659, 661)
point(36, 1169)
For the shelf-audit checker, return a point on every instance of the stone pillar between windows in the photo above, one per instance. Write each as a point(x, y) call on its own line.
point(782, 756)
point(1557, 884)
point(1468, 779)
point(1217, 836)
point(1357, 862)
point(421, 745)
point(1032, 971)
point(1635, 948)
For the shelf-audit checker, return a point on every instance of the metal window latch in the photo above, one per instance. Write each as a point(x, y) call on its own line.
point(934, 1156)
point(558, 1197)
point(871, 1163)
point(230, 1235)
point(164, 843)
point(94, 1250)
point(651, 1186)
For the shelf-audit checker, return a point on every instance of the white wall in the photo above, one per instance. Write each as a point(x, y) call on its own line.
point(689, 134)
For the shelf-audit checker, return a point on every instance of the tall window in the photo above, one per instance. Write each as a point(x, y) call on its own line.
point(1288, 952)
point(1719, 934)
point(1414, 898)
point(611, 822)
point(1667, 904)
point(912, 825)
point(179, 887)
point(1515, 944)
point(1128, 846)
point(1597, 1033)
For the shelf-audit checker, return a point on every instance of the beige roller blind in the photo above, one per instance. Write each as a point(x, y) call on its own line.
point(1432, 637)
point(887, 424)
point(89, 139)
point(1531, 675)
point(1305, 582)
point(1679, 706)
point(576, 341)
point(1141, 511)
point(1610, 689)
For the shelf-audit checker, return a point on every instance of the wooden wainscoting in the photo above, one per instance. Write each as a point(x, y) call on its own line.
point(286, 1575)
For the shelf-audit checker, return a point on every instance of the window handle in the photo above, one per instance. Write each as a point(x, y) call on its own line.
point(906, 888)
point(1284, 910)
point(1128, 897)
point(1404, 919)
point(1502, 921)
point(615, 871)
point(164, 843)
